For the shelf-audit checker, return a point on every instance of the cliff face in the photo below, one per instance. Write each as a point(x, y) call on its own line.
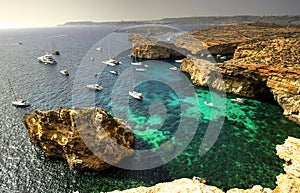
point(63, 134)
point(286, 183)
point(259, 68)
point(146, 47)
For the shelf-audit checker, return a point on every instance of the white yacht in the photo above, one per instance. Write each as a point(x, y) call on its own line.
point(20, 103)
point(173, 68)
point(47, 59)
point(136, 95)
point(111, 62)
point(96, 87)
point(178, 61)
point(208, 103)
point(64, 72)
point(140, 69)
point(136, 63)
point(114, 72)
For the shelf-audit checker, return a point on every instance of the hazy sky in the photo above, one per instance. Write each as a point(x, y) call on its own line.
point(38, 13)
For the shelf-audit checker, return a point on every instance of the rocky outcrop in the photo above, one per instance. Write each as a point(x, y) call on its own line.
point(88, 139)
point(146, 47)
point(286, 183)
point(259, 69)
point(290, 152)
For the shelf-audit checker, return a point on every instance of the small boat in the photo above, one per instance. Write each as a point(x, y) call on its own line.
point(96, 87)
point(99, 49)
point(179, 61)
point(238, 100)
point(146, 65)
point(223, 58)
point(136, 63)
point(55, 52)
point(209, 56)
point(114, 72)
point(136, 95)
point(218, 56)
point(140, 69)
point(17, 102)
point(173, 68)
point(64, 72)
point(20, 103)
point(111, 62)
point(47, 59)
point(208, 104)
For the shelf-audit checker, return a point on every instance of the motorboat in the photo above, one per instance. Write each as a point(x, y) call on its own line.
point(238, 100)
point(179, 61)
point(20, 103)
point(173, 68)
point(111, 62)
point(208, 103)
point(96, 87)
point(136, 95)
point(140, 69)
point(55, 52)
point(136, 63)
point(64, 72)
point(47, 59)
point(114, 72)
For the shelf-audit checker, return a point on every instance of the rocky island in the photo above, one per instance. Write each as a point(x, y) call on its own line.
point(265, 61)
point(85, 138)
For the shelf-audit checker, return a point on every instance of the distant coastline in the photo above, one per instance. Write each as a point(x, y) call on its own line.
point(191, 21)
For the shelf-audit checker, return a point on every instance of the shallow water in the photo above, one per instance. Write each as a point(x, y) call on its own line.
point(243, 154)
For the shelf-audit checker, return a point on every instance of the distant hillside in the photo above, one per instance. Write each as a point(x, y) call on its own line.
point(200, 21)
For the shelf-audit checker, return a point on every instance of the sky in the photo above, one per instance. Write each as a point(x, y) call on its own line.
point(47, 13)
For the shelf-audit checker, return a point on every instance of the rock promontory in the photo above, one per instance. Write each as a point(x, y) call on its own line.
point(87, 139)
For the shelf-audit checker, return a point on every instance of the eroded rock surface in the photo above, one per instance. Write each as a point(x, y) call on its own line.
point(88, 139)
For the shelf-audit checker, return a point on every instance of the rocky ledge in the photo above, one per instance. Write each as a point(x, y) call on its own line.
point(86, 138)
point(265, 64)
point(286, 183)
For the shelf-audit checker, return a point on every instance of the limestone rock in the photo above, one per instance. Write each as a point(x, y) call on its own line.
point(145, 47)
point(181, 185)
point(86, 138)
point(290, 152)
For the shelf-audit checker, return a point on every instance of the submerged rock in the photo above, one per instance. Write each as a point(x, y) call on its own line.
point(88, 139)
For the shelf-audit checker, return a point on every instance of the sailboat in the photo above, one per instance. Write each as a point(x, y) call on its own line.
point(17, 102)
point(54, 51)
point(110, 61)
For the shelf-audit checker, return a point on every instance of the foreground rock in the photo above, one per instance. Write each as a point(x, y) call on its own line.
point(86, 138)
point(286, 183)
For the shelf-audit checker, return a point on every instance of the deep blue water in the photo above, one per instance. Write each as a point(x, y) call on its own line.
point(171, 114)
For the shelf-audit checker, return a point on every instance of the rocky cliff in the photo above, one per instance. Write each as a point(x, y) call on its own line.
point(286, 183)
point(85, 138)
point(146, 47)
point(260, 69)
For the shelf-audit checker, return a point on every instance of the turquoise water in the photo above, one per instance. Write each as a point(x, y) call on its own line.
point(243, 153)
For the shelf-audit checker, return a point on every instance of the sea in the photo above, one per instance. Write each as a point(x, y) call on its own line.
point(177, 135)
